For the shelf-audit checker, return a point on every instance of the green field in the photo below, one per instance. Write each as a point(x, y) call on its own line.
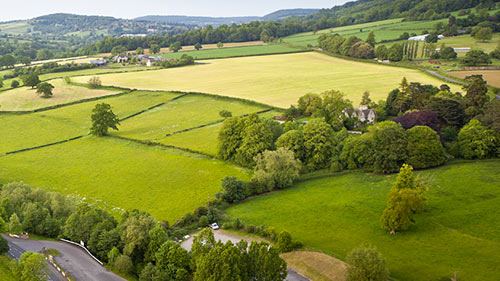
point(114, 173)
point(29, 130)
point(187, 112)
point(26, 98)
point(202, 140)
point(277, 80)
point(459, 230)
point(235, 52)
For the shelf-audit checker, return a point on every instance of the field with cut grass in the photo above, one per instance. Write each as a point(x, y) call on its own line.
point(115, 173)
point(459, 230)
point(277, 80)
point(184, 113)
point(491, 76)
point(26, 98)
point(235, 52)
point(30, 130)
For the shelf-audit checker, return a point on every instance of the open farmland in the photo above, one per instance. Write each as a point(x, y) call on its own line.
point(107, 171)
point(26, 98)
point(30, 130)
point(342, 212)
point(277, 80)
point(235, 52)
point(492, 77)
point(184, 113)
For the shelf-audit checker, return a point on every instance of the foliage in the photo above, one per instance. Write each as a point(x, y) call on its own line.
point(405, 199)
point(225, 113)
point(390, 146)
point(366, 264)
point(15, 224)
point(175, 47)
point(103, 118)
point(220, 45)
point(449, 110)
point(381, 52)
point(45, 89)
point(31, 267)
point(30, 80)
point(477, 141)
point(293, 140)
point(491, 115)
point(483, 34)
point(123, 264)
point(447, 53)
point(475, 57)
point(4, 246)
point(395, 52)
point(319, 143)
point(94, 82)
point(476, 96)
point(233, 190)
point(285, 243)
point(14, 84)
point(424, 148)
point(419, 118)
point(362, 50)
point(198, 46)
point(275, 170)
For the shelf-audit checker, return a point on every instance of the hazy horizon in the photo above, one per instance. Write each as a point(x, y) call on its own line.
point(128, 9)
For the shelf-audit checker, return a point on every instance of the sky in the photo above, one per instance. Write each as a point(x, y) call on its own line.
point(26, 9)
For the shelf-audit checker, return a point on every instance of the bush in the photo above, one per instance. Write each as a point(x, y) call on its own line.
point(233, 190)
point(285, 243)
point(4, 246)
point(424, 148)
point(203, 221)
point(448, 53)
point(123, 264)
point(14, 84)
point(94, 82)
point(225, 114)
point(366, 263)
point(275, 169)
point(476, 141)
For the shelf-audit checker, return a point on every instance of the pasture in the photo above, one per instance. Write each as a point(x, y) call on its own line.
point(210, 46)
point(277, 80)
point(26, 98)
point(235, 52)
point(459, 230)
point(184, 113)
point(118, 174)
point(491, 76)
point(30, 130)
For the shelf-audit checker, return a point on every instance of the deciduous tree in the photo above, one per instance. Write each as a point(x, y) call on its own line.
point(275, 169)
point(44, 89)
point(366, 264)
point(103, 118)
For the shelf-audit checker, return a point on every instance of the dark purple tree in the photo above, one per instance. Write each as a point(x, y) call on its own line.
point(427, 118)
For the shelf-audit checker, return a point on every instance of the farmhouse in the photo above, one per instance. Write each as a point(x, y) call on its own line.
point(363, 114)
point(98, 62)
point(120, 59)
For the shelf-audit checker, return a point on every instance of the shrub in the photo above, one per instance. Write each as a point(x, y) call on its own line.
point(233, 190)
point(362, 50)
point(476, 141)
point(123, 264)
point(225, 113)
point(424, 148)
point(4, 246)
point(94, 82)
point(14, 84)
point(285, 243)
point(366, 263)
point(203, 221)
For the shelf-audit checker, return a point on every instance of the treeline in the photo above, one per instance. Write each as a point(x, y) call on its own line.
point(50, 67)
point(430, 125)
point(137, 244)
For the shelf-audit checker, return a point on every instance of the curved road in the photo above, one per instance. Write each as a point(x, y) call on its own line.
point(73, 259)
point(444, 77)
point(224, 237)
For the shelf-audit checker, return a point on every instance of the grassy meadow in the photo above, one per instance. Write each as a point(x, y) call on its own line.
point(30, 130)
point(277, 80)
point(202, 139)
point(459, 230)
point(234, 52)
point(121, 174)
point(26, 98)
point(184, 113)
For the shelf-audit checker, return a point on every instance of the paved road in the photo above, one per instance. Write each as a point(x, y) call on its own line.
point(443, 77)
point(73, 259)
point(224, 237)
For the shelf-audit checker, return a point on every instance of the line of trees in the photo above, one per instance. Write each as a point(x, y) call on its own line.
point(136, 244)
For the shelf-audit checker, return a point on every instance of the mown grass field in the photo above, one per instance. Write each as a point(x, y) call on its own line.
point(277, 80)
point(26, 98)
point(30, 130)
point(235, 52)
point(115, 173)
point(184, 113)
point(459, 230)
point(491, 76)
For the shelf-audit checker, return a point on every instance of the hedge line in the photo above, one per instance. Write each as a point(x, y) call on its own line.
point(42, 146)
point(152, 107)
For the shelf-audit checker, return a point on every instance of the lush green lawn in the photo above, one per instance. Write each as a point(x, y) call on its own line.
point(120, 174)
point(26, 98)
point(29, 130)
point(203, 139)
point(277, 80)
point(235, 52)
point(184, 113)
point(458, 232)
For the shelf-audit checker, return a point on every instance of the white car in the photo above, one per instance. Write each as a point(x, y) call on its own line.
point(214, 226)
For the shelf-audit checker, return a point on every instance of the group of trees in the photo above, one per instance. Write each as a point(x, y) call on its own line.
point(351, 46)
point(136, 244)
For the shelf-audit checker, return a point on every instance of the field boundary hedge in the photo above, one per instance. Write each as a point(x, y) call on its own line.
point(152, 107)
point(151, 143)
point(42, 146)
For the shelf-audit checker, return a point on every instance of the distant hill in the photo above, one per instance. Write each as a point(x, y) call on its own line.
point(216, 21)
